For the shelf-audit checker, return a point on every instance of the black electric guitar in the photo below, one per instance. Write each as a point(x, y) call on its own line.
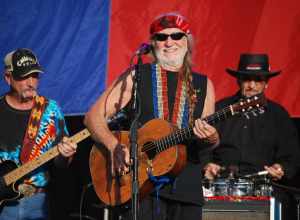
point(10, 173)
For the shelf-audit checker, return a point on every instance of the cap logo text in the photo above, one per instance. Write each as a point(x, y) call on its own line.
point(26, 61)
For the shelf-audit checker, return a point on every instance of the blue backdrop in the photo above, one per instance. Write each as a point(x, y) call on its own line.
point(70, 39)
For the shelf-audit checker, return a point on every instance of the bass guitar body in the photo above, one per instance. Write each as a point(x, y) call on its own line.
point(153, 159)
point(9, 192)
point(11, 187)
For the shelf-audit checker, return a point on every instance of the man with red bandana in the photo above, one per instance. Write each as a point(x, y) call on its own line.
point(170, 91)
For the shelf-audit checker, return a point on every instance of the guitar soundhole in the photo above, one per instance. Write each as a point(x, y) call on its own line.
point(150, 149)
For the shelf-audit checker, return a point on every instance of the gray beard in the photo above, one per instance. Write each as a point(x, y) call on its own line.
point(25, 97)
point(172, 63)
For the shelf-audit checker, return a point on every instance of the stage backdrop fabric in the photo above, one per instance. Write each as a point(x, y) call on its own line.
point(70, 38)
point(85, 44)
point(223, 29)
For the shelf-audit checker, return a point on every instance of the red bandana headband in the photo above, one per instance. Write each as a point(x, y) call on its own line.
point(170, 21)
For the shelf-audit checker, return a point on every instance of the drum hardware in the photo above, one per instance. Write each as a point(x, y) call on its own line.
point(242, 187)
point(78, 216)
point(256, 186)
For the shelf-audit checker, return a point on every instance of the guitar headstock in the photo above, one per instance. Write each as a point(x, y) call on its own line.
point(249, 104)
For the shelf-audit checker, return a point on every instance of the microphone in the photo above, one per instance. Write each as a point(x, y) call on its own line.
point(144, 49)
point(118, 118)
point(260, 173)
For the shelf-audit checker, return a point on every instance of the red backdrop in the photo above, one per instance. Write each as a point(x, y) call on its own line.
point(222, 29)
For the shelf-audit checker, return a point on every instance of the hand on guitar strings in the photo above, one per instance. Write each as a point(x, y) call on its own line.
point(205, 131)
point(120, 161)
point(67, 148)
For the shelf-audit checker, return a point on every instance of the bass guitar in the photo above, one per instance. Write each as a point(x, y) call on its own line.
point(10, 173)
point(160, 152)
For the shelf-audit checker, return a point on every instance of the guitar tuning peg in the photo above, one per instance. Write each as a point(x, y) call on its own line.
point(246, 115)
point(261, 110)
point(254, 113)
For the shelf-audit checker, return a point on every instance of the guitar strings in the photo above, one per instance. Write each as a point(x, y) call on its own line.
point(180, 132)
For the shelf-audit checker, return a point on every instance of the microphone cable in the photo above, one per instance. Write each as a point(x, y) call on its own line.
point(83, 192)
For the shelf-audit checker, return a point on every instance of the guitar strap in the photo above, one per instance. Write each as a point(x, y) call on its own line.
point(40, 103)
point(159, 182)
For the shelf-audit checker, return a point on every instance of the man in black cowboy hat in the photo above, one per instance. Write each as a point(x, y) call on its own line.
point(262, 140)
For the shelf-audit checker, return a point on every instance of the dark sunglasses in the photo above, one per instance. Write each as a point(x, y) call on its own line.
point(163, 37)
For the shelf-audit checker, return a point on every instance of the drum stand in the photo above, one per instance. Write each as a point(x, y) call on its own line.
point(297, 197)
point(108, 214)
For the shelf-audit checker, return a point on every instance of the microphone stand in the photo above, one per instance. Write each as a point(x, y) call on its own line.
point(133, 140)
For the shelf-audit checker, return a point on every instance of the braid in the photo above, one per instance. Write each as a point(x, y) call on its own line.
point(188, 80)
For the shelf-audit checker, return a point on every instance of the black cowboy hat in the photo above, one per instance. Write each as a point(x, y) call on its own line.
point(256, 65)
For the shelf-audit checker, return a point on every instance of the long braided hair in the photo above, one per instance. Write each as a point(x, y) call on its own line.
point(188, 79)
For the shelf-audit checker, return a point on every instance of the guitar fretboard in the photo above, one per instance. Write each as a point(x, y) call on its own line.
point(183, 134)
point(26, 168)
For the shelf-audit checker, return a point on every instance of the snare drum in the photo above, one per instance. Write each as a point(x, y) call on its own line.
point(231, 187)
point(241, 187)
point(220, 187)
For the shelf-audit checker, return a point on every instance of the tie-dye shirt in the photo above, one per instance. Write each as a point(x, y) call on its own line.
point(13, 127)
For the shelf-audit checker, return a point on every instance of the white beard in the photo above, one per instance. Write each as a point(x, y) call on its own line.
point(172, 61)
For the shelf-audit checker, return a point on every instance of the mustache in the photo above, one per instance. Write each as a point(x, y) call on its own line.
point(30, 89)
point(176, 60)
point(251, 90)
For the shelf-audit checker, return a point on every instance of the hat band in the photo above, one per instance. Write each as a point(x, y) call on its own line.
point(253, 68)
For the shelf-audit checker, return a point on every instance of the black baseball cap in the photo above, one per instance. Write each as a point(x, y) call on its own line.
point(21, 63)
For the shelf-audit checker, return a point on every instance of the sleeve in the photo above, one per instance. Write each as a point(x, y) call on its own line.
point(287, 149)
point(60, 124)
point(61, 131)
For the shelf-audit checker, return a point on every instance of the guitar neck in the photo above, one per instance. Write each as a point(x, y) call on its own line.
point(183, 134)
point(29, 166)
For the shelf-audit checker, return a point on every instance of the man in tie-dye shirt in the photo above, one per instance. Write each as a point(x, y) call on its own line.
point(28, 131)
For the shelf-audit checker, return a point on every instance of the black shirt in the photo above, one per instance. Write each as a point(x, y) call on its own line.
point(13, 126)
point(260, 139)
point(187, 187)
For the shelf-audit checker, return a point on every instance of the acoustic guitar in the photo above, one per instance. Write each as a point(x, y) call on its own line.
point(160, 152)
point(10, 173)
